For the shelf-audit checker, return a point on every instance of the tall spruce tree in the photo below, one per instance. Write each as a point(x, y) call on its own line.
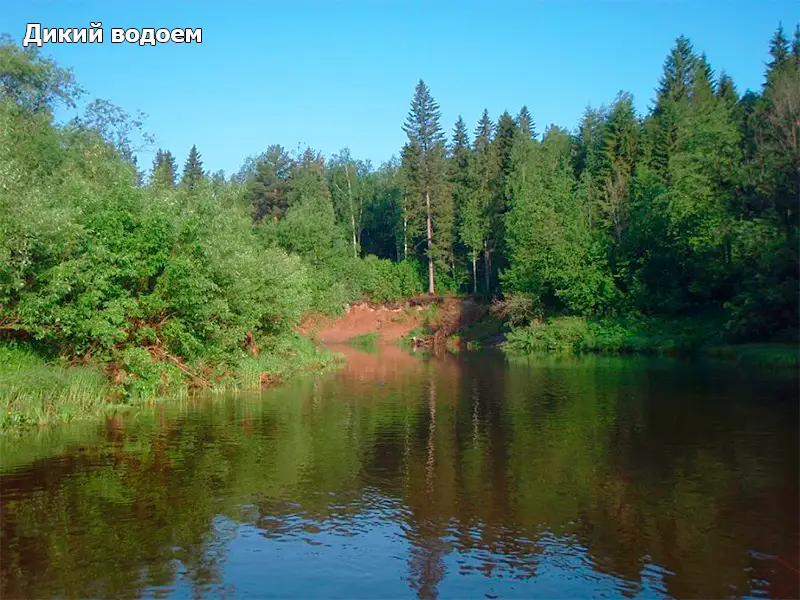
point(164, 169)
point(676, 80)
point(460, 163)
point(502, 143)
point(193, 169)
point(474, 224)
point(702, 82)
point(618, 162)
point(424, 163)
point(525, 124)
point(726, 89)
point(460, 148)
point(483, 132)
point(778, 51)
point(268, 185)
point(674, 90)
point(501, 149)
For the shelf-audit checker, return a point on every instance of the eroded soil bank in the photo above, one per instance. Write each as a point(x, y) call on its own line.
point(424, 321)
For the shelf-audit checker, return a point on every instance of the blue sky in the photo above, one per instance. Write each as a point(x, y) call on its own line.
point(342, 73)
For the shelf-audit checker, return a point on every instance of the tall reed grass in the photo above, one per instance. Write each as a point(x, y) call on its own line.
point(36, 392)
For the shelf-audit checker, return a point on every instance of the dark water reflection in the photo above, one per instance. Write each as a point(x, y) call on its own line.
point(401, 477)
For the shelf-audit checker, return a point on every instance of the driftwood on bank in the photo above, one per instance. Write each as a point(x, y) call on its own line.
point(418, 342)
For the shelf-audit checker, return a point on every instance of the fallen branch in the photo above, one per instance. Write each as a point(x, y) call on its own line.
point(159, 353)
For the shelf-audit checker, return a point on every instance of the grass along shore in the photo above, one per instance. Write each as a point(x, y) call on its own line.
point(36, 391)
point(696, 336)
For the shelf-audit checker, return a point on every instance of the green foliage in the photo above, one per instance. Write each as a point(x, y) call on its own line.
point(367, 342)
point(428, 199)
point(687, 211)
point(267, 180)
point(349, 184)
point(164, 170)
point(146, 378)
point(35, 392)
point(193, 169)
point(518, 309)
point(611, 335)
point(384, 228)
point(476, 215)
point(181, 271)
point(563, 334)
point(552, 252)
point(31, 82)
point(121, 131)
point(164, 284)
point(384, 281)
point(692, 335)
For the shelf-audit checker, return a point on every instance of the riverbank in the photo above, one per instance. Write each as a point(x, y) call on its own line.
point(37, 391)
point(455, 324)
point(450, 322)
point(676, 337)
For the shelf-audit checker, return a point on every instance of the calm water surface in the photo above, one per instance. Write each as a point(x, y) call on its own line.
point(399, 477)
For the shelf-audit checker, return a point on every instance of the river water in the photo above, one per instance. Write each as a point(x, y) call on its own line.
point(401, 477)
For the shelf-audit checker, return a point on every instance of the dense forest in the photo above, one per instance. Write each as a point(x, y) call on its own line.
point(687, 214)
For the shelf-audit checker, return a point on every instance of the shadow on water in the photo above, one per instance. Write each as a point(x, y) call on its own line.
point(408, 476)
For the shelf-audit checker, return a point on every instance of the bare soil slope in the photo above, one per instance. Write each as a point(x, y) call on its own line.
point(391, 324)
point(394, 322)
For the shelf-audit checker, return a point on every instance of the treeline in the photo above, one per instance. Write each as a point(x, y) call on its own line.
point(691, 209)
point(688, 210)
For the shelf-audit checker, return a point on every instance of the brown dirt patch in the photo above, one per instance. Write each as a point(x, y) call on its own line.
point(391, 324)
point(267, 380)
point(394, 322)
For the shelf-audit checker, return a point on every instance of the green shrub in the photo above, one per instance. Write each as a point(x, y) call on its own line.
point(562, 334)
point(518, 309)
point(382, 280)
point(621, 335)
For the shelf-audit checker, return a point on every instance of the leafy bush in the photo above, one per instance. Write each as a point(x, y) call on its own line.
point(106, 265)
point(161, 283)
point(518, 309)
point(563, 334)
point(382, 280)
point(620, 335)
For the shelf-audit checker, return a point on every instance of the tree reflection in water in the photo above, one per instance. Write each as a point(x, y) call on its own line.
point(458, 475)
